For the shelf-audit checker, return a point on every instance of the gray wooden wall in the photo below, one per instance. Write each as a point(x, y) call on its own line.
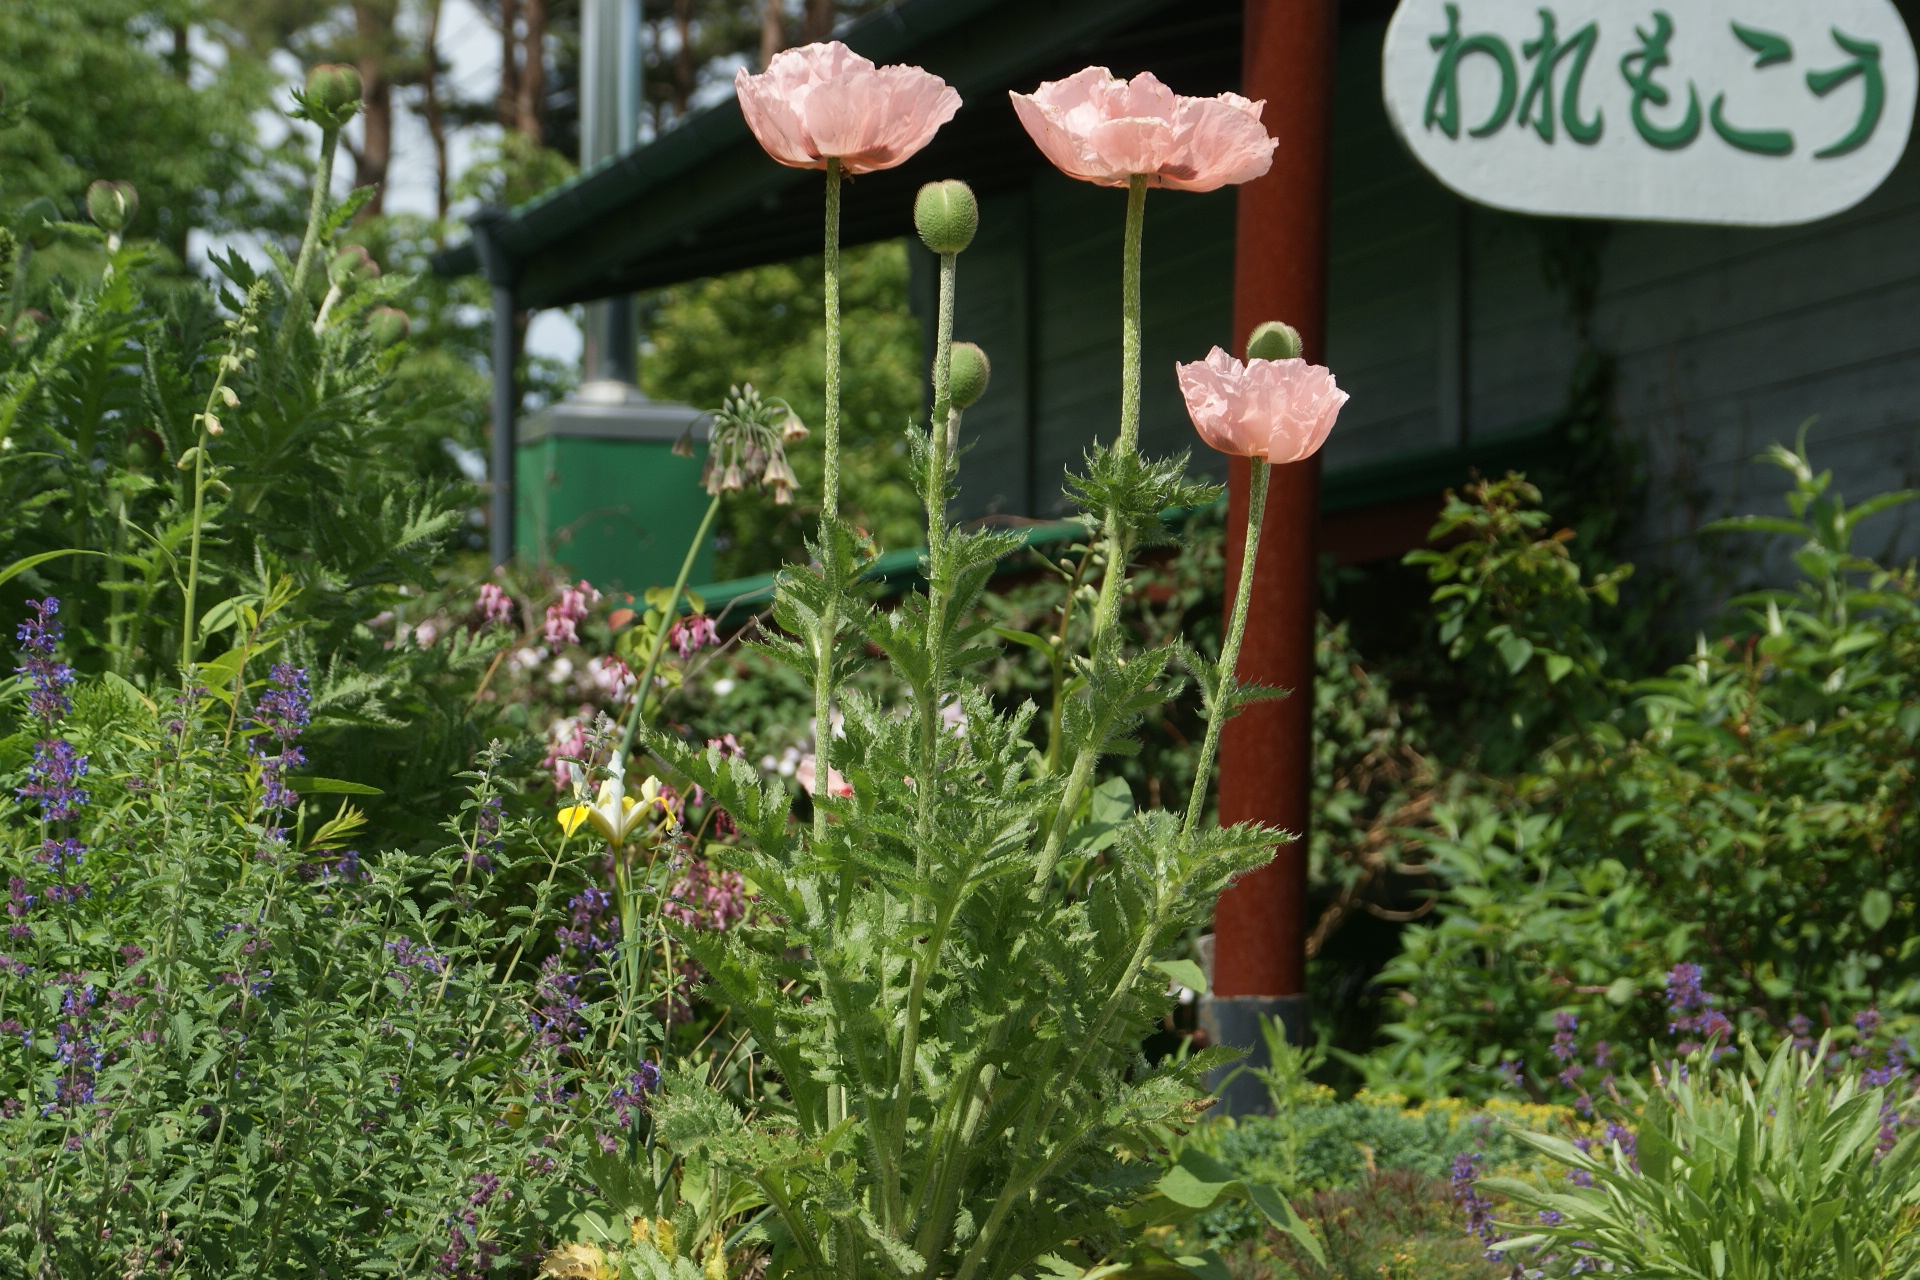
point(1446, 332)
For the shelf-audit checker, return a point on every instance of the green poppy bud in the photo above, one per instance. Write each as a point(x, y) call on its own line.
point(333, 94)
point(111, 205)
point(968, 381)
point(351, 265)
point(946, 215)
point(36, 222)
point(387, 327)
point(1274, 341)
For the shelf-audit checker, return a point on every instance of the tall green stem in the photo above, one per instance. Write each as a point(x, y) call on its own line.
point(1130, 316)
point(1118, 542)
point(827, 640)
point(316, 211)
point(936, 490)
point(672, 611)
point(1230, 650)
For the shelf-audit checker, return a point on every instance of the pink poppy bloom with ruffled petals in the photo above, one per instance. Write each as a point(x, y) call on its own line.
point(1278, 410)
point(1104, 130)
point(824, 101)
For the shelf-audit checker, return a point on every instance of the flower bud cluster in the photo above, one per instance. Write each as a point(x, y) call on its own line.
point(748, 445)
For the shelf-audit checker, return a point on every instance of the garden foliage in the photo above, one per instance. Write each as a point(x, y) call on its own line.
point(1751, 812)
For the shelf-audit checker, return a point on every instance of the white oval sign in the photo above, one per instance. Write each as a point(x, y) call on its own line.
point(1743, 112)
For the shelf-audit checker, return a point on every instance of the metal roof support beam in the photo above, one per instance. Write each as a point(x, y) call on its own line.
point(498, 269)
point(1266, 752)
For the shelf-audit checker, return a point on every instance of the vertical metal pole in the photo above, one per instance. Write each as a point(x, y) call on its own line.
point(609, 126)
point(1266, 756)
point(506, 408)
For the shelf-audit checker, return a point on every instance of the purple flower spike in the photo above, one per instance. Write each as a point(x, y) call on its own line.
point(49, 676)
point(53, 780)
point(284, 709)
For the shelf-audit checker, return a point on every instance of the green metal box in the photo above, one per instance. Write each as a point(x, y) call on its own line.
point(598, 489)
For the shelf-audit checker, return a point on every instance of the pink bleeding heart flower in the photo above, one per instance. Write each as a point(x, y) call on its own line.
point(824, 101)
point(1100, 129)
point(1277, 410)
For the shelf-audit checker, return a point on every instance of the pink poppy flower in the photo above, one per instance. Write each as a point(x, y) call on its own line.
point(824, 101)
point(1279, 410)
point(1100, 129)
point(807, 776)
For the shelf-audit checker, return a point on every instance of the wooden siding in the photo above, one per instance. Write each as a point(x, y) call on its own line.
point(1443, 327)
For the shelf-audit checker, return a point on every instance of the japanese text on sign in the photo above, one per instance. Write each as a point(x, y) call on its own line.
point(1743, 111)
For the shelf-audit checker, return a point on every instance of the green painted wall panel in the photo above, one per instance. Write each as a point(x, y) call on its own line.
point(618, 513)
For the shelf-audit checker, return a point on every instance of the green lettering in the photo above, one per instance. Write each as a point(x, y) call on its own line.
point(1443, 100)
point(1652, 55)
point(1547, 53)
point(1866, 63)
point(1765, 142)
point(1770, 47)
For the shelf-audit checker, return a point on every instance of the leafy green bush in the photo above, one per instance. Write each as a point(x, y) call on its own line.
point(1752, 812)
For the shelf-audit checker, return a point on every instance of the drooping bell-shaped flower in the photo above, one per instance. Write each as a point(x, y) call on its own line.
point(1276, 410)
point(1104, 130)
point(824, 102)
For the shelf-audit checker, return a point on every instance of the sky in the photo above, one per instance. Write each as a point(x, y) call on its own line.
point(471, 48)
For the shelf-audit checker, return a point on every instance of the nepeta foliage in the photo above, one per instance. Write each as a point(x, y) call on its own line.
point(231, 1043)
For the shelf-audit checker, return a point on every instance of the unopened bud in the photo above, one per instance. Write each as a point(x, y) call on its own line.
point(36, 222)
point(111, 205)
point(387, 327)
point(213, 425)
point(228, 398)
point(352, 265)
point(333, 94)
point(968, 380)
point(946, 216)
point(1274, 341)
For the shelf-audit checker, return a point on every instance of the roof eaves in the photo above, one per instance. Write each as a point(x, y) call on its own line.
point(888, 34)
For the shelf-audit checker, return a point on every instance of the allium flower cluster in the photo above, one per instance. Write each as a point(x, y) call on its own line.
point(748, 445)
point(48, 676)
point(53, 780)
point(565, 615)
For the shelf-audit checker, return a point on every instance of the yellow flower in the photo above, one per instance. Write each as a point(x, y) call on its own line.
point(577, 1262)
point(614, 813)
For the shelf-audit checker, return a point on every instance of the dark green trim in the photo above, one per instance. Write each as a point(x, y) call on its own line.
point(642, 219)
point(1351, 489)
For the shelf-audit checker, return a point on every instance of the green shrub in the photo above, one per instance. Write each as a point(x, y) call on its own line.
point(1752, 812)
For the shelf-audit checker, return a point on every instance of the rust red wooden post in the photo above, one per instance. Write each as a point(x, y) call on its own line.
point(1280, 273)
